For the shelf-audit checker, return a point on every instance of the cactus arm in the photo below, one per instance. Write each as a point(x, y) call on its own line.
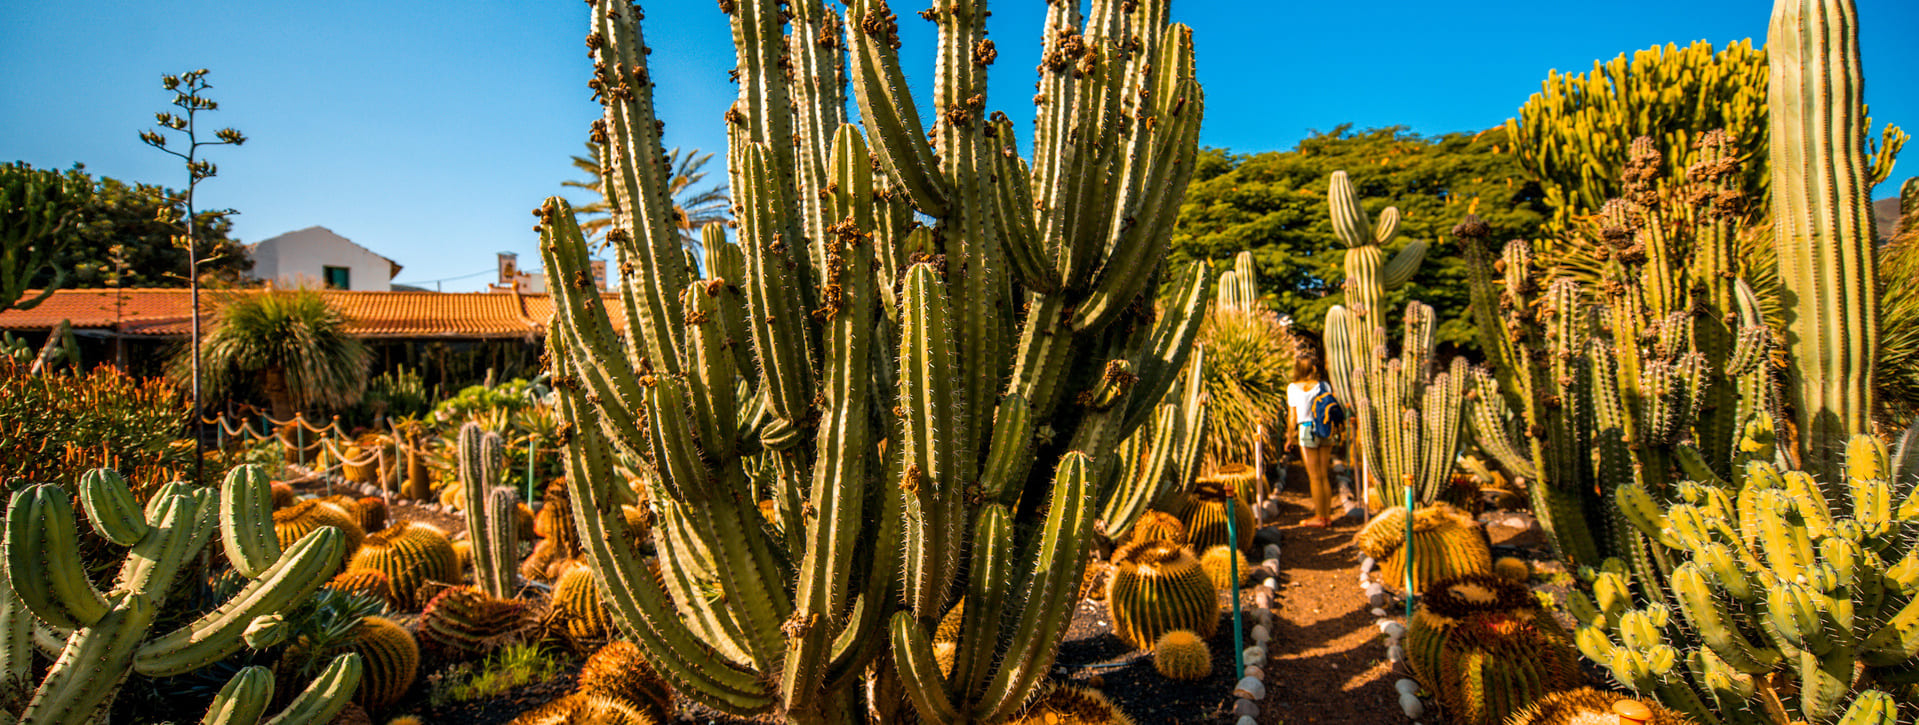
point(581, 319)
point(1013, 212)
point(43, 559)
point(1710, 619)
point(638, 187)
point(777, 318)
point(1138, 487)
point(95, 658)
point(986, 592)
point(892, 121)
point(845, 436)
point(862, 637)
point(1009, 457)
point(303, 568)
point(16, 633)
point(1051, 589)
point(1166, 353)
point(1399, 270)
point(930, 471)
point(635, 599)
point(180, 529)
point(110, 507)
point(326, 696)
point(919, 672)
point(246, 521)
point(1823, 225)
point(243, 699)
point(818, 92)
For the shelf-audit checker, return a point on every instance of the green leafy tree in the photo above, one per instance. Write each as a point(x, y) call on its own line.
point(36, 208)
point(116, 236)
point(1274, 204)
point(289, 347)
point(693, 208)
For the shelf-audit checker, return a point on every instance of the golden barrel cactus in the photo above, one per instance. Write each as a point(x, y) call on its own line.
point(391, 658)
point(577, 600)
point(1482, 644)
point(1070, 705)
point(619, 671)
point(369, 582)
point(1218, 564)
point(1205, 517)
point(410, 554)
point(1182, 655)
point(462, 622)
point(1159, 526)
point(1155, 588)
point(1447, 543)
point(1587, 706)
point(1241, 479)
point(293, 522)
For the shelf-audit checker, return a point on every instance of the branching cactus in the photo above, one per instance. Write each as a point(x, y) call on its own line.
point(1790, 604)
point(932, 412)
point(1409, 420)
point(106, 635)
point(491, 526)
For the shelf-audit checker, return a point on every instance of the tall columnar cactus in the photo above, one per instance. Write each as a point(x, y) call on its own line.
point(1249, 361)
point(923, 406)
point(490, 510)
point(106, 634)
point(1661, 365)
point(1409, 420)
point(1822, 223)
point(1788, 603)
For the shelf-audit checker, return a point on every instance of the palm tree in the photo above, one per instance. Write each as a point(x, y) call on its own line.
point(692, 209)
point(292, 343)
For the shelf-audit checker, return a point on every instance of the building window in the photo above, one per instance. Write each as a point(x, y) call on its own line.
point(337, 278)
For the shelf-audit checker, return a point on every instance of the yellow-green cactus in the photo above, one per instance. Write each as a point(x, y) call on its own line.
point(1482, 644)
point(411, 554)
point(1155, 588)
point(1182, 655)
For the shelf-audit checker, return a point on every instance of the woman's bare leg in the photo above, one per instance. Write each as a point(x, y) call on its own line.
point(1318, 470)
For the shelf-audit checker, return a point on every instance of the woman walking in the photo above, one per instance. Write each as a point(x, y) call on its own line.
point(1303, 433)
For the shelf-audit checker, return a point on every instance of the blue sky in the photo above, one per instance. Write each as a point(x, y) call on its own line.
point(427, 132)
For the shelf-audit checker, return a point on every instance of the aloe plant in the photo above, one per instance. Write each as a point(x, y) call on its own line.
point(932, 412)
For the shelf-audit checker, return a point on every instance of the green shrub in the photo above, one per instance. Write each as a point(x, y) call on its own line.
point(60, 424)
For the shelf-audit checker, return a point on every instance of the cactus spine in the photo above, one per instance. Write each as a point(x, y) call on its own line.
point(999, 420)
point(491, 511)
point(1156, 588)
point(109, 635)
point(1822, 223)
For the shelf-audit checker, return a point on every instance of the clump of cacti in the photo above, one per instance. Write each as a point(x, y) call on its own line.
point(1219, 563)
point(461, 622)
point(1159, 526)
point(411, 554)
point(1182, 655)
point(46, 589)
point(1446, 543)
point(1155, 588)
point(1598, 707)
point(619, 671)
point(492, 512)
point(576, 599)
point(297, 520)
point(1001, 353)
point(1407, 419)
point(1483, 645)
point(1776, 583)
point(1206, 510)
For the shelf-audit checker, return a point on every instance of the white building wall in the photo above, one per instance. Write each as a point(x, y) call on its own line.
point(300, 258)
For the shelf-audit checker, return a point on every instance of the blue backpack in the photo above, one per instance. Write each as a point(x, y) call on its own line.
point(1327, 412)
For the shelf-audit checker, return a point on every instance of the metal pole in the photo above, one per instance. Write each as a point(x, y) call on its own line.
point(1232, 540)
point(532, 450)
point(1407, 483)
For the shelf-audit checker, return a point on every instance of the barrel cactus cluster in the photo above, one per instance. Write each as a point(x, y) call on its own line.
point(1486, 648)
point(942, 349)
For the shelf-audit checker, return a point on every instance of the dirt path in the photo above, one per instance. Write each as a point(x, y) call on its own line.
point(1329, 660)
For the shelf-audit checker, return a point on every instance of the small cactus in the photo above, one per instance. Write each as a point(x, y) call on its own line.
point(293, 522)
point(583, 709)
point(1155, 588)
point(577, 600)
point(619, 671)
point(461, 622)
point(1446, 543)
point(1206, 518)
point(1070, 705)
point(1587, 705)
point(1159, 526)
point(1218, 563)
point(1484, 646)
point(410, 554)
point(371, 582)
point(1182, 655)
point(1514, 568)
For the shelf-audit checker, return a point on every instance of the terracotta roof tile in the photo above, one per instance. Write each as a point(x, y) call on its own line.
point(373, 315)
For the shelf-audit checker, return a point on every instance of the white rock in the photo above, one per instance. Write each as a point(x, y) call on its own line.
point(1247, 720)
point(1250, 689)
point(1396, 653)
point(1259, 634)
point(1374, 588)
point(1271, 565)
point(1392, 629)
point(1379, 611)
point(1245, 708)
point(1256, 672)
point(1271, 583)
point(1254, 655)
point(1263, 599)
point(1407, 686)
point(1413, 707)
point(1272, 551)
point(1367, 564)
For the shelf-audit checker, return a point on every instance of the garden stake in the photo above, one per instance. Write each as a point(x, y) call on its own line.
point(1408, 486)
point(532, 449)
point(1232, 539)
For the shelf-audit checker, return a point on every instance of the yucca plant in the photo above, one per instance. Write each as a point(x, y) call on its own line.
point(1249, 362)
point(292, 342)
